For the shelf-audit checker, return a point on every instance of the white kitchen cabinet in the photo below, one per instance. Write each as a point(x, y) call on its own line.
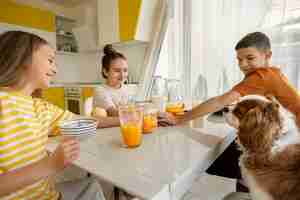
point(65, 39)
point(126, 20)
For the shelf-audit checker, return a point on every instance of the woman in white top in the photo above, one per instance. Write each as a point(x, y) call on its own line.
point(114, 92)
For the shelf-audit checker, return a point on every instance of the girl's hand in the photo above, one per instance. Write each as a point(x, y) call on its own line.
point(66, 153)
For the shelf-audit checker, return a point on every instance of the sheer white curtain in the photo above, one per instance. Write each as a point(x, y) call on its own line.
point(282, 24)
point(217, 25)
point(200, 39)
point(198, 47)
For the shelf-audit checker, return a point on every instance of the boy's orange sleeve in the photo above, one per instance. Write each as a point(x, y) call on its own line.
point(287, 94)
point(251, 84)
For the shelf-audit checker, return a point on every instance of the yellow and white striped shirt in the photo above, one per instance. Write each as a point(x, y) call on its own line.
point(25, 123)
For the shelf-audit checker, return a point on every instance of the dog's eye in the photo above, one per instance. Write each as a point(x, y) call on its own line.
point(226, 110)
point(238, 113)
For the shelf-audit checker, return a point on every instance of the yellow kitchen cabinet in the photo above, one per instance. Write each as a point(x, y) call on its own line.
point(27, 16)
point(126, 20)
point(55, 95)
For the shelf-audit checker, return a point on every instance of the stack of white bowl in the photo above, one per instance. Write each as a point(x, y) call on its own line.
point(80, 128)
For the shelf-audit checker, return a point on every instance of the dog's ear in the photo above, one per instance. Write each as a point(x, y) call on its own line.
point(272, 117)
point(272, 112)
point(272, 98)
point(251, 119)
point(256, 130)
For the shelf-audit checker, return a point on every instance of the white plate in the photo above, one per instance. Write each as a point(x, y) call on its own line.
point(80, 123)
point(78, 132)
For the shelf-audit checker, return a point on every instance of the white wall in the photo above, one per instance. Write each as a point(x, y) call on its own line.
point(86, 66)
point(78, 68)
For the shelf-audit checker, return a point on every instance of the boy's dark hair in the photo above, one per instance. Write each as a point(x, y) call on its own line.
point(110, 54)
point(257, 40)
point(16, 50)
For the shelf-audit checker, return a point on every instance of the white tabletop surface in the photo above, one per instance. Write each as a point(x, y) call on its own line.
point(163, 167)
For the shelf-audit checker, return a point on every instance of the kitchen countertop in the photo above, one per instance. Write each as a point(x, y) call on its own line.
point(75, 84)
point(79, 84)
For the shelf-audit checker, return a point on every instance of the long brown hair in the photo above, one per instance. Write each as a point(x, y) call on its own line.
point(16, 50)
point(110, 54)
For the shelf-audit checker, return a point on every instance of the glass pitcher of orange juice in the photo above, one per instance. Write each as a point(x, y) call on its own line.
point(150, 118)
point(131, 121)
point(175, 103)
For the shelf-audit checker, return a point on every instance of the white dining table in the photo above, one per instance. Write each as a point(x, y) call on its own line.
point(163, 167)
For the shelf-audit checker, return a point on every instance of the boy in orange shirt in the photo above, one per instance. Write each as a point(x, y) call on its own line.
point(261, 78)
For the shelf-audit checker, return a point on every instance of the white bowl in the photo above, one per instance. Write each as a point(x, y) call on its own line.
point(76, 127)
point(80, 123)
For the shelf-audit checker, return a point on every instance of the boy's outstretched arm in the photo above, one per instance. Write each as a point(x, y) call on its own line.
point(211, 105)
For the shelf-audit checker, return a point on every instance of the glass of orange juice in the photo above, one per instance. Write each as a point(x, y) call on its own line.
point(150, 118)
point(131, 120)
point(176, 108)
point(175, 103)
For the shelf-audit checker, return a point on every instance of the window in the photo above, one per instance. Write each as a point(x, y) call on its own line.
point(198, 46)
point(170, 58)
point(282, 23)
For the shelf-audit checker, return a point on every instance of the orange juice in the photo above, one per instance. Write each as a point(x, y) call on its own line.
point(175, 108)
point(132, 134)
point(149, 123)
point(131, 120)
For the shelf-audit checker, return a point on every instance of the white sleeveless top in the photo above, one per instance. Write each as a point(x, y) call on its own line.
point(108, 97)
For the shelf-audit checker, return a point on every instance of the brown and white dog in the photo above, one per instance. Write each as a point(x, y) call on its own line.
point(270, 160)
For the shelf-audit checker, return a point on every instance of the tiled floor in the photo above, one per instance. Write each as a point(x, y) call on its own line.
point(210, 188)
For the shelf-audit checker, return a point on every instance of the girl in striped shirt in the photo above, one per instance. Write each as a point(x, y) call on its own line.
point(27, 63)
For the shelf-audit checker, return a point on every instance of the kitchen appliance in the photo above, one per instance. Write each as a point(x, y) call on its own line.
point(74, 99)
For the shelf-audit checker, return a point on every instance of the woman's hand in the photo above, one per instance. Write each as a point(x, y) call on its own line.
point(66, 153)
point(166, 119)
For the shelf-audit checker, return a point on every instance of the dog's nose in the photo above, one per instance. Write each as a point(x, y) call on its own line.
point(225, 110)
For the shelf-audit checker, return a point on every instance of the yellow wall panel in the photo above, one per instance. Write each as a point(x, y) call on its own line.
point(55, 95)
point(23, 15)
point(128, 18)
